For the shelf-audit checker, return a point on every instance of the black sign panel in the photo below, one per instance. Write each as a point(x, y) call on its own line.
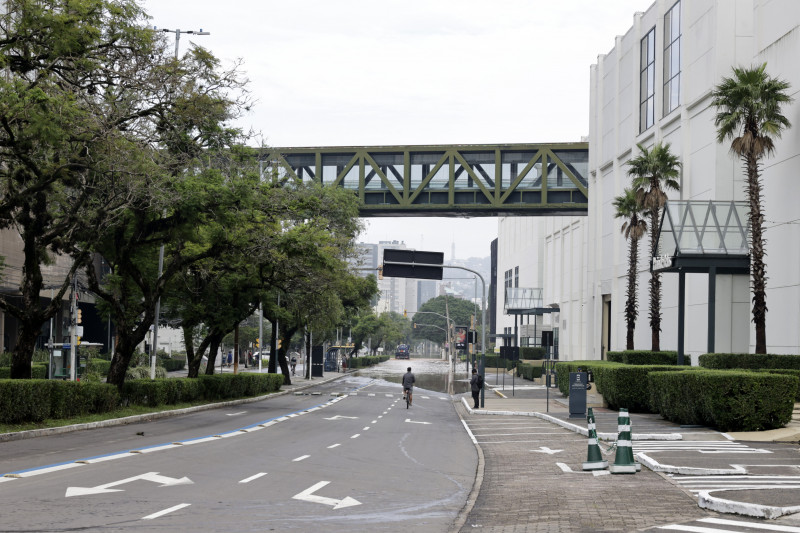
point(412, 264)
point(510, 353)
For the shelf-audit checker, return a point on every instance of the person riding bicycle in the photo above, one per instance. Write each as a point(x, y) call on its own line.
point(294, 363)
point(408, 384)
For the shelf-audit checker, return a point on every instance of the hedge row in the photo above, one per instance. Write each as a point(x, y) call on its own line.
point(366, 360)
point(33, 400)
point(529, 371)
point(645, 357)
point(727, 400)
point(38, 371)
point(722, 361)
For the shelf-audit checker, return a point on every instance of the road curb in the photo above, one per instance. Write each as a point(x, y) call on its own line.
point(34, 433)
point(572, 427)
point(706, 501)
point(472, 499)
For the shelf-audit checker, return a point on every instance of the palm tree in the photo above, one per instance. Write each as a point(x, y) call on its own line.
point(633, 228)
point(653, 172)
point(749, 113)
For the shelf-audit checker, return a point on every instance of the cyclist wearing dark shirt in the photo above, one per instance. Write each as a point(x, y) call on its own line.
point(408, 384)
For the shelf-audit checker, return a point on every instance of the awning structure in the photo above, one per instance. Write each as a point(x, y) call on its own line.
point(526, 301)
point(702, 237)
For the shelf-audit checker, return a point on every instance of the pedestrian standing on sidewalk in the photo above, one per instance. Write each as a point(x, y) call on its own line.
point(476, 384)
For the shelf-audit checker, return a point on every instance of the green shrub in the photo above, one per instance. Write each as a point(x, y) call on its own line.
point(529, 371)
point(170, 365)
point(721, 361)
point(532, 352)
point(788, 372)
point(646, 357)
point(23, 400)
point(366, 360)
point(98, 366)
point(727, 400)
point(38, 371)
point(76, 398)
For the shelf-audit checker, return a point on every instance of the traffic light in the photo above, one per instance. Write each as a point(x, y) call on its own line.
point(415, 325)
point(405, 313)
point(279, 343)
point(77, 341)
point(258, 343)
point(380, 272)
point(80, 317)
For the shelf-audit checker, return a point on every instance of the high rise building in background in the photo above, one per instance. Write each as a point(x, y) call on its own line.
point(653, 86)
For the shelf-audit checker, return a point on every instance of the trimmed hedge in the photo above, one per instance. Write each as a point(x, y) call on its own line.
point(727, 400)
point(366, 360)
point(38, 371)
point(529, 371)
point(532, 352)
point(173, 364)
point(646, 357)
point(721, 361)
point(34, 400)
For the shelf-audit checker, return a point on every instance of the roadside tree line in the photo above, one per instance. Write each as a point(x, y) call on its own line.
point(111, 147)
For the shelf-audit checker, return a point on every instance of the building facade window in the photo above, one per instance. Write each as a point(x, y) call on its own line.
point(672, 58)
point(516, 276)
point(647, 81)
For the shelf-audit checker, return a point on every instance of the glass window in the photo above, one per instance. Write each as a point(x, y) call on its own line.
point(672, 58)
point(647, 81)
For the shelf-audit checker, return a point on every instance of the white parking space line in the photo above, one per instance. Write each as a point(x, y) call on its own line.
point(300, 458)
point(251, 478)
point(166, 511)
point(333, 446)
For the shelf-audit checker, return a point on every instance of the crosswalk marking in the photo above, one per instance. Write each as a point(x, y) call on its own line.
point(700, 446)
point(705, 525)
point(733, 482)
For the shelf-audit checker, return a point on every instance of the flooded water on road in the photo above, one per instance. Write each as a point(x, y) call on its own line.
point(430, 374)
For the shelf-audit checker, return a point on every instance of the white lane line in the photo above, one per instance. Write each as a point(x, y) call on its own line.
point(251, 478)
point(166, 511)
point(425, 398)
point(356, 436)
point(564, 467)
point(366, 428)
point(374, 421)
point(389, 395)
point(371, 394)
point(237, 414)
point(333, 446)
point(300, 458)
point(46, 470)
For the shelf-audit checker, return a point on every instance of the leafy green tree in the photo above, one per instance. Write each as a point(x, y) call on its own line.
point(634, 228)
point(653, 172)
point(64, 136)
point(749, 114)
point(434, 312)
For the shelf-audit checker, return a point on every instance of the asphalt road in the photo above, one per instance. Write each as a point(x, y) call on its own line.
point(361, 462)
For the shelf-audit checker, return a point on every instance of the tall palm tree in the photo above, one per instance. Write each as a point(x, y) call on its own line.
point(749, 113)
point(633, 228)
point(654, 172)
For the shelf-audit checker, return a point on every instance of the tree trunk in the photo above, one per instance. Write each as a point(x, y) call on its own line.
point(630, 304)
point(120, 361)
point(213, 349)
point(273, 348)
point(758, 270)
point(655, 287)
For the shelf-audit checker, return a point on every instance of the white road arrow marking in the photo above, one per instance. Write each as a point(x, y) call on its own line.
point(340, 417)
point(545, 449)
point(150, 476)
point(309, 496)
point(414, 422)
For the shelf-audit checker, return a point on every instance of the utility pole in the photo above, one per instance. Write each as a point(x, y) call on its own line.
point(73, 334)
point(154, 348)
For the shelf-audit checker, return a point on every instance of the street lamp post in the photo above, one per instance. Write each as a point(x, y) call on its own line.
point(154, 348)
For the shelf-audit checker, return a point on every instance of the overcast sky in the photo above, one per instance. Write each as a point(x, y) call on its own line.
point(405, 72)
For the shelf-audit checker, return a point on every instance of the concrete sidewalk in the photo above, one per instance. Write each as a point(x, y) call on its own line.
point(549, 405)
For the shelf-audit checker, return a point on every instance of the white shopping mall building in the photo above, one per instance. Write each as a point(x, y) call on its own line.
point(654, 85)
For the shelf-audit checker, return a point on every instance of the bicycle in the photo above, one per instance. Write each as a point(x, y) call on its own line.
point(407, 396)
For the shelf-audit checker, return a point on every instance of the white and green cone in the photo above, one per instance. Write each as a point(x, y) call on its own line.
point(623, 462)
point(595, 460)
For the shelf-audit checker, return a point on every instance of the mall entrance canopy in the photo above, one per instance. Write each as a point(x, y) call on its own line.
point(521, 301)
point(702, 237)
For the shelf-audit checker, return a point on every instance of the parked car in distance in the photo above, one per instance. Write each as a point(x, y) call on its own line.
point(402, 352)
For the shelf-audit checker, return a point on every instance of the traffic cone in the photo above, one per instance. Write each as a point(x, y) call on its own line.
point(595, 460)
point(623, 462)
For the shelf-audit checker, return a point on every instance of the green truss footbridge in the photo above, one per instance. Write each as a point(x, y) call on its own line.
point(446, 180)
